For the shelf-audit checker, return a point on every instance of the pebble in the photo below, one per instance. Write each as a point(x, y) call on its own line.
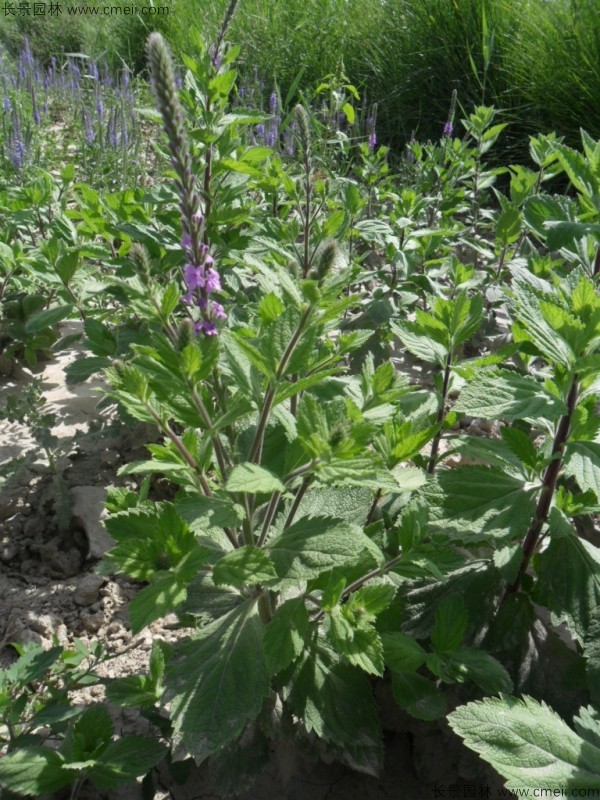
point(88, 590)
point(92, 622)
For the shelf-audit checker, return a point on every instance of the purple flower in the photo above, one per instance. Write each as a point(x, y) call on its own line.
point(218, 310)
point(260, 133)
point(7, 105)
point(372, 141)
point(212, 281)
point(206, 327)
point(273, 102)
point(448, 129)
point(90, 134)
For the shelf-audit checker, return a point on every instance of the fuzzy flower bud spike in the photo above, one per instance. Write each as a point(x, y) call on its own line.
point(200, 277)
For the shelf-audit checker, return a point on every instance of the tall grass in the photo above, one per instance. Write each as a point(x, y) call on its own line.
point(537, 61)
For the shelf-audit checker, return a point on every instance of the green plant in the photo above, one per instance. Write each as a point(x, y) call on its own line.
point(49, 742)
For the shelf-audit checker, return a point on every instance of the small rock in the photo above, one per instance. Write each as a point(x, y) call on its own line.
point(28, 636)
point(92, 622)
point(88, 590)
point(87, 512)
point(49, 625)
point(9, 505)
point(8, 552)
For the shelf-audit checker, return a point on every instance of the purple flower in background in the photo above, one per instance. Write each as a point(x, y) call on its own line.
point(90, 134)
point(273, 103)
point(260, 133)
point(449, 126)
point(7, 105)
point(93, 70)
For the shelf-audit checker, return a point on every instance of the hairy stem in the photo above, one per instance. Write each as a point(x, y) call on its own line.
point(435, 445)
point(551, 474)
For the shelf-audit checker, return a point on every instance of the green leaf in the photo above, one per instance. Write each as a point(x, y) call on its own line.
point(132, 691)
point(479, 502)
point(372, 600)
point(402, 653)
point(286, 635)
point(418, 695)
point(33, 771)
point(217, 681)
point(313, 545)
point(203, 513)
point(252, 479)
point(569, 582)
point(543, 336)
point(83, 368)
point(450, 624)
point(361, 645)
point(125, 760)
point(66, 265)
point(508, 226)
point(156, 600)
point(528, 744)
point(481, 668)
point(90, 735)
point(332, 699)
point(47, 318)
point(582, 462)
point(421, 345)
point(248, 565)
point(501, 394)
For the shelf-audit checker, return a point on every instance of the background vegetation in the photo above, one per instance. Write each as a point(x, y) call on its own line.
point(534, 60)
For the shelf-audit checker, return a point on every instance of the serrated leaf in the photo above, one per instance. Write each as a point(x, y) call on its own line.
point(47, 318)
point(33, 771)
point(202, 513)
point(508, 226)
point(286, 635)
point(252, 479)
point(401, 652)
point(83, 368)
point(247, 565)
point(205, 677)
point(332, 699)
point(450, 624)
point(313, 545)
point(582, 462)
point(480, 501)
point(502, 394)
point(569, 582)
point(418, 695)
point(528, 744)
point(156, 600)
point(125, 760)
point(481, 668)
point(132, 691)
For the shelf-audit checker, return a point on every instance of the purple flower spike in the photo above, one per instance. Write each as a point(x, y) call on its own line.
point(448, 129)
point(212, 281)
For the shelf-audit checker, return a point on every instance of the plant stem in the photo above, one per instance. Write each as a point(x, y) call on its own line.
point(551, 474)
point(257, 444)
point(374, 504)
point(271, 510)
point(374, 573)
point(440, 415)
point(297, 500)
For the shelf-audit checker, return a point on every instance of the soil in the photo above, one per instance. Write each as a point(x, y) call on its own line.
point(51, 537)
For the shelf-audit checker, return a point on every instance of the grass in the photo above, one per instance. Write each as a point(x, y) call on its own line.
point(536, 61)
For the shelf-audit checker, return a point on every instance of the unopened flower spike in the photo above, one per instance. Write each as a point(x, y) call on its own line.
point(200, 277)
point(449, 126)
